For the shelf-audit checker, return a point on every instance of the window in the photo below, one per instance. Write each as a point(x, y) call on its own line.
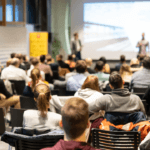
point(19, 10)
point(9, 11)
point(1, 11)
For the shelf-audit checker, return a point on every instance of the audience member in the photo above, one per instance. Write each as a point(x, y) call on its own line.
point(120, 100)
point(43, 67)
point(70, 62)
point(7, 99)
point(126, 73)
point(89, 63)
point(100, 68)
point(26, 62)
point(41, 118)
point(12, 55)
point(75, 123)
point(8, 62)
point(61, 63)
point(89, 91)
point(75, 82)
point(35, 64)
point(13, 72)
point(134, 64)
point(36, 79)
point(141, 79)
point(140, 58)
point(122, 61)
point(54, 66)
point(21, 64)
point(107, 68)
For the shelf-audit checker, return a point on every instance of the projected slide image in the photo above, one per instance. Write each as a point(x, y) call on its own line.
point(114, 26)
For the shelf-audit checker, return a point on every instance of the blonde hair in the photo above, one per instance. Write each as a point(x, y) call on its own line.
point(91, 82)
point(35, 75)
point(42, 94)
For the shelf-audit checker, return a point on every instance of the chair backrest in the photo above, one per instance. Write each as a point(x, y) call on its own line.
point(27, 103)
point(55, 75)
point(48, 78)
point(16, 117)
point(70, 93)
point(115, 140)
point(55, 92)
point(2, 122)
point(139, 90)
point(37, 144)
point(19, 86)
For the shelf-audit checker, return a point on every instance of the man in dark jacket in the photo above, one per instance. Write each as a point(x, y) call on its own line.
point(74, 121)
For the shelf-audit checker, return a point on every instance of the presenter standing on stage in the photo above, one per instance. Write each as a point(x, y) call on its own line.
point(76, 47)
point(142, 44)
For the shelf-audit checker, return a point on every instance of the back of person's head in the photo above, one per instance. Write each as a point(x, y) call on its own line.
point(19, 56)
point(9, 61)
point(12, 55)
point(42, 96)
point(115, 80)
point(48, 58)
point(34, 61)
point(81, 66)
point(91, 82)
point(42, 58)
point(74, 117)
point(24, 57)
point(122, 58)
point(88, 62)
point(103, 59)
point(146, 62)
point(99, 66)
point(35, 76)
point(125, 69)
point(59, 57)
point(70, 57)
point(15, 62)
point(141, 57)
point(134, 61)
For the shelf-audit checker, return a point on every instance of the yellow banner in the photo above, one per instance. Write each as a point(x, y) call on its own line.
point(38, 43)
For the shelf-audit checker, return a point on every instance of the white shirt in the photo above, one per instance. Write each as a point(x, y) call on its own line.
point(13, 73)
point(41, 72)
point(78, 45)
point(32, 119)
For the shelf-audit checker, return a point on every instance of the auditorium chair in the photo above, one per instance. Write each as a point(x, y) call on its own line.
point(18, 86)
point(139, 90)
point(2, 122)
point(16, 117)
point(48, 78)
point(27, 103)
point(70, 93)
point(115, 140)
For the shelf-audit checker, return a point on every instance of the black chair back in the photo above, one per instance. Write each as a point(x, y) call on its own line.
point(70, 93)
point(55, 92)
point(115, 140)
point(18, 86)
point(55, 75)
point(48, 78)
point(139, 90)
point(16, 117)
point(27, 103)
point(2, 122)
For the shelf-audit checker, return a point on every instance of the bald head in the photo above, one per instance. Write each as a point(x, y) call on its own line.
point(88, 62)
point(15, 62)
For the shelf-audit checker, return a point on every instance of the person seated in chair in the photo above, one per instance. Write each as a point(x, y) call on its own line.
point(21, 64)
point(89, 63)
point(41, 118)
point(74, 122)
point(120, 100)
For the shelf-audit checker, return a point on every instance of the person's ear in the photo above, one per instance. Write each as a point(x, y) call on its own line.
point(60, 124)
point(111, 86)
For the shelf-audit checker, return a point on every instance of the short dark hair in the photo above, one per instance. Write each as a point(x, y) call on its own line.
point(75, 117)
point(122, 58)
point(42, 58)
point(70, 57)
point(99, 65)
point(146, 62)
point(75, 34)
point(19, 56)
point(24, 57)
point(12, 55)
point(103, 59)
point(34, 61)
point(81, 66)
point(115, 80)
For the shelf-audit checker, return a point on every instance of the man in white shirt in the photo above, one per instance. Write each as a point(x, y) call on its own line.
point(76, 47)
point(13, 72)
point(35, 64)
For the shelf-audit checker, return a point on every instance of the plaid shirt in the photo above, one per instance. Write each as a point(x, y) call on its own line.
point(141, 79)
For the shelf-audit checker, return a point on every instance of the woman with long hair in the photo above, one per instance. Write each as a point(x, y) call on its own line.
point(90, 90)
point(126, 72)
point(41, 118)
point(36, 79)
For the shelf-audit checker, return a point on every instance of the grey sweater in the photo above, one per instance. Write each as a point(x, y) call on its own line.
point(121, 100)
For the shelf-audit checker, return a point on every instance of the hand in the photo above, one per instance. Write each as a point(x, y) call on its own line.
point(140, 44)
point(2, 97)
